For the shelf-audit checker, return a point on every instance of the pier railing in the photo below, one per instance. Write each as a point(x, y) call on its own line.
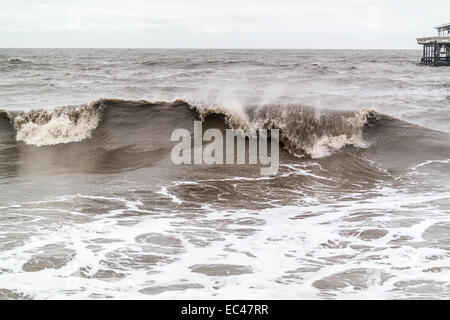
point(444, 61)
point(436, 51)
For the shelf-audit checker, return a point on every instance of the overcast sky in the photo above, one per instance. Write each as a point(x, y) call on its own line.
point(364, 24)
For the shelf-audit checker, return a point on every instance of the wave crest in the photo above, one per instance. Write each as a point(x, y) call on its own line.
point(303, 130)
point(315, 132)
point(60, 125)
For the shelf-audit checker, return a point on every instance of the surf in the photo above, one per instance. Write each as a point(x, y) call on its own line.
point(136, 133)
point(316, 133)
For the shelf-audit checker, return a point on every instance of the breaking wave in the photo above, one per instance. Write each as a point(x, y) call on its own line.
point(60, 125)
point(303, 129)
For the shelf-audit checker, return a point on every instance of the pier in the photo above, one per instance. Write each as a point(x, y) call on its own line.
point(436, 50)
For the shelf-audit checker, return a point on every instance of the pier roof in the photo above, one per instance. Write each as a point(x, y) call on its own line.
point(428, 40)
point(443, 26)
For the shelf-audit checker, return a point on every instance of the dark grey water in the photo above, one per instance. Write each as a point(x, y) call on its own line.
point(91, 205)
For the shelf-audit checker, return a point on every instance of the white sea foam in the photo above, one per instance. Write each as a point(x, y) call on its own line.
point(57, 126)
point(58, 130)
point(326, 145)
point(292, 252)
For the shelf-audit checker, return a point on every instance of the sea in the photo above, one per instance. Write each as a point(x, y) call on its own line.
point(93, 207)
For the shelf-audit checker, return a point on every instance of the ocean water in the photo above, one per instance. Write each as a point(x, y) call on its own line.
point(91, 205)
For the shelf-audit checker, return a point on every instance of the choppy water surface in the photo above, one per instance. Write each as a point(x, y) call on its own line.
point(91, 205)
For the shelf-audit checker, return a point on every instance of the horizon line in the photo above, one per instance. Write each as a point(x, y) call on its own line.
point(200, 48)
